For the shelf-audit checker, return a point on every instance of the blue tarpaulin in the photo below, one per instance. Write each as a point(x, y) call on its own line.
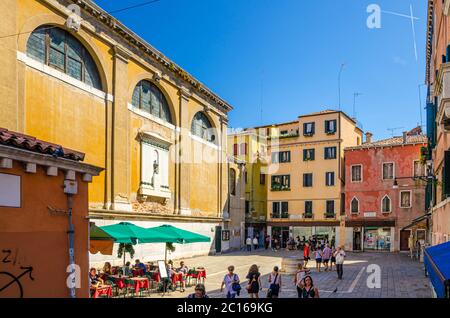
point(437, 264)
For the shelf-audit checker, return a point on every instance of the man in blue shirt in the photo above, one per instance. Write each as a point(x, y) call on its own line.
point(141, 265)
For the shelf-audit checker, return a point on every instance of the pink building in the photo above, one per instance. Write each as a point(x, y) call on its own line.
point(384, 193)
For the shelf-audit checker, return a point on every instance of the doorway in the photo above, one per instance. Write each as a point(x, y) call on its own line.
point(357, 241)
point(404, 239)
point(218, 239)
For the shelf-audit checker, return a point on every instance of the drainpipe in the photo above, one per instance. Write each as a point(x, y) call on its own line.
point(71, 234)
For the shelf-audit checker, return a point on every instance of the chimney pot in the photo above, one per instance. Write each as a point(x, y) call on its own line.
point(368, 137)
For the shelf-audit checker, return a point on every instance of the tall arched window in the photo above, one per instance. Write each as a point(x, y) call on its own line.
point(149, 98)
point(201, 127)
point(232, 181)
point(59, 49)
point(386, 204)
point(354, 205)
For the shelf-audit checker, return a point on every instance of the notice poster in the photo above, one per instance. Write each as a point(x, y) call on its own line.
point(162, 269)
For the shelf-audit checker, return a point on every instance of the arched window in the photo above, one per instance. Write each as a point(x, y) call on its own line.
point(354, 205)
point(149, 98)
point(232, 181)
point(61, 50)
point(386, 204)
point(201, 127)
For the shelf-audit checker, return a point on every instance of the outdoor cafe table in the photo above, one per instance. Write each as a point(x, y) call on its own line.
point(99, 291)
point(139, 282)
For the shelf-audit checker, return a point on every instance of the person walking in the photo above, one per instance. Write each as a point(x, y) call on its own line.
point(326, 255)
point(267, 241)
point(332, 259)
point(340, 256)
point(305, 255)
point(230, 282)
point(298, 279)
point(318, 258)
point(248, 243)
point(308, 290)
point(274, 283)
point(254, 281)
point(255, 243)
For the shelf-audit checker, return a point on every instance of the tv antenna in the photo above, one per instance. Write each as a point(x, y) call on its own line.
point(354, 104)
point(392, 130)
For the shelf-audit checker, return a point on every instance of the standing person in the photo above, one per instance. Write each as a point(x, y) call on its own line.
point(248, 242)
point(254, 281)
point(274, 283)
point(305, 255)
point(326, 255)
point(229, 281)
point(275, 244)
point(318, 258)
point(298, 279)
point(332, 259)
point(339, 255)
point(267, 241)
point(308, 290)
point(255, 243)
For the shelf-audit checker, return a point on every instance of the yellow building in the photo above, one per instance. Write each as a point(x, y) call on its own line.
point(250, 146)
point(306, 175)
point(74, 75)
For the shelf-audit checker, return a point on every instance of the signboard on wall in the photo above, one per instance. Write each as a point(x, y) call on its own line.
point(225, 235)
point(10, 190)
point(370, 214)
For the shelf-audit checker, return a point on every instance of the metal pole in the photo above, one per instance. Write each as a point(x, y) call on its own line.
point(339, 84)
point(71, 233)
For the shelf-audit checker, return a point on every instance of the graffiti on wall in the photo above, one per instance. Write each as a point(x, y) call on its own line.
point(13, 273)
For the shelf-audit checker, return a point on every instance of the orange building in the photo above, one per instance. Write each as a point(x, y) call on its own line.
point(39, 182)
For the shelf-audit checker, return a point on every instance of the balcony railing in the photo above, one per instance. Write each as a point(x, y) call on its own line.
point(283, 215)
point(280, 188)
point(330, 215)
point(307, 215)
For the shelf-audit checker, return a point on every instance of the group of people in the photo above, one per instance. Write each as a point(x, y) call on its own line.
point(97, 280)
point(326, 256)
point(249, 242)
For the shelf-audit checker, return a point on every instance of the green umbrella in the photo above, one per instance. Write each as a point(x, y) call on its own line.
point(129, 233)
point(176, 235)
point(125, 232)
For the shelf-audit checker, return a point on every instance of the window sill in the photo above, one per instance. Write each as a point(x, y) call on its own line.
point(280, 189)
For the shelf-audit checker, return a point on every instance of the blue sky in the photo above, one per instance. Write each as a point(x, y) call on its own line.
point(286, 55)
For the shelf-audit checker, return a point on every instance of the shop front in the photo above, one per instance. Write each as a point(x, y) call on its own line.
point(377, 238)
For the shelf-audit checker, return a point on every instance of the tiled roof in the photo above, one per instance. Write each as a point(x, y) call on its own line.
point(326, 111)
point(18, 140)
point(394, 141)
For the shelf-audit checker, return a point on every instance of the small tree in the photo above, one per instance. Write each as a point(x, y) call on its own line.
point(125, 248)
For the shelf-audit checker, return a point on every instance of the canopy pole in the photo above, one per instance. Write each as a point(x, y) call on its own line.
point(165, 254)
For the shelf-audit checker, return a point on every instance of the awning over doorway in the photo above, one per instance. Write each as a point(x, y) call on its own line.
point(436, 260)
point(418, 220)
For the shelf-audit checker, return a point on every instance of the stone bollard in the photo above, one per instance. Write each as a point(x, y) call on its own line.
point(289, 265)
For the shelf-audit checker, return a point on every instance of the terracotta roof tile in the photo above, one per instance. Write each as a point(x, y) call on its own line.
point(394, 141)
point(30, 143)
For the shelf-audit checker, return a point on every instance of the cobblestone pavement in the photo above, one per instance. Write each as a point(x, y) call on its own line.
point(401, 277)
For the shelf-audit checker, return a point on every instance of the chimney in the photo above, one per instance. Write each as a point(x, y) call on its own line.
point(368, 137)
point(405, 135)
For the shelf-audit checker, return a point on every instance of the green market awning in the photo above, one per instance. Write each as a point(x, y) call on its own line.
point(100, 241)
point(176, 235)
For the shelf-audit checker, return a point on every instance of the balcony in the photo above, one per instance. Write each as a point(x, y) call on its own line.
point(282, 215)
point(307, 215)
point(280, 188)
point(329, 215)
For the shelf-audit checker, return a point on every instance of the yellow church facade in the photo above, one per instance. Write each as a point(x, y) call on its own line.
point(74, 75)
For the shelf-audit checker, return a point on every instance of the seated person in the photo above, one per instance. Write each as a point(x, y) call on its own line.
point(183, 270)
point(200, 292)
point(107, 268)
point(127, 269)
point(140, 265)
point(94, 280)
point(152, 266)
